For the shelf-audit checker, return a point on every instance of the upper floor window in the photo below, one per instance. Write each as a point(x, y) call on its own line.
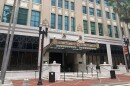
point(106, 2)
point(98, 1)
point(60, 22)
point(6, 14)
point(53, 2)
point(84, 9)
point(116, 32)
point(107, 15)
point(93, 28)
point(91, 11)
point(72, 6)
point(22, 16)
point(109, 30)
point(100, 28)
point(60, 3)
point(53, 20)
point(85, 25)
point(114, 16)
point(36, 1)
point(99, 13)
point(72, 24)
point(66, 4)
point(35, 18)
point(66, 23)
point(91, 0)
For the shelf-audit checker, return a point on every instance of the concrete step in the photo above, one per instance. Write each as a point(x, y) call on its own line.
point(75, 76)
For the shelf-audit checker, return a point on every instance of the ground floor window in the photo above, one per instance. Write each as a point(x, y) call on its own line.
point(24, 54)
point(98, 56)
point(117, 54)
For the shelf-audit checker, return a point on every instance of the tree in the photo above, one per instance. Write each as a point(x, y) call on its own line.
point(122, 8)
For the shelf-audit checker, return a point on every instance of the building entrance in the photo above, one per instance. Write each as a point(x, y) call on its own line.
point(67, 63)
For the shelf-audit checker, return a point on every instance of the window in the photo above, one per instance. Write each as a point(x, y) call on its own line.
point(66, 23)
point(72, 6)
point(99, 13)
point(116, 32)
point(53, 2)
point(22, 16)
point(114, 16)
point(109, 30)
point(60, 3)
point(100, 28)
point(91, 11)
point(84, 9)
point(98, 1)
point(36, 1)
point(66, 4)
point(106, 2)
point(93, 31)
point(107, 15)
point(91, 0)
point(72, 24)
point(122, 31)
point(85, 25)
point(35, 18)
point(53, 20)
point(60, 22)
point(6, 14)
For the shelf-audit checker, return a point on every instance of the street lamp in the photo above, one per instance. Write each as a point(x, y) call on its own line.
point(126, 50)
point(42, 31)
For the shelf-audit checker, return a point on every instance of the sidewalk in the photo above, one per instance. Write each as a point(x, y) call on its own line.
point(125, 78)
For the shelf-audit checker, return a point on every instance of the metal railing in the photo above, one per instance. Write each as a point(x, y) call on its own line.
point(92, 69)
point(83, 72)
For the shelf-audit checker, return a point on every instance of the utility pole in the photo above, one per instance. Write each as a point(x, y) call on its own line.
point(9, 42)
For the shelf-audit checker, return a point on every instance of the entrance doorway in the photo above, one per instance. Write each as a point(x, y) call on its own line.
point(68, 60)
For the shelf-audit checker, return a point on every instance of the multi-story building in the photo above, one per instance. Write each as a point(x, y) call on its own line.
point(87, 21)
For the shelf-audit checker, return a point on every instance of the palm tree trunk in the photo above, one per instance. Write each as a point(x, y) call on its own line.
point(10, 42)
point(7, 38)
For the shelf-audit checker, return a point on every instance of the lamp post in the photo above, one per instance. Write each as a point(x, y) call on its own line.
point(126, 50)
point(42, 32)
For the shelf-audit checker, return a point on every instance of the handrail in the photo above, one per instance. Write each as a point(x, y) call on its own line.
point(64, 73)
point(92, 71)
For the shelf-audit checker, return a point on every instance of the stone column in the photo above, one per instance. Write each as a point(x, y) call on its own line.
point(84, 58)
point(109, 54)
point(46, 57)
point(81, 62)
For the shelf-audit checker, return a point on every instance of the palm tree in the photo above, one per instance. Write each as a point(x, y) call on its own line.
point(122, 8)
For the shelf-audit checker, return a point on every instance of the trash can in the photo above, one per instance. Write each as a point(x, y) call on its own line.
point(51, 76)
point(112, 74)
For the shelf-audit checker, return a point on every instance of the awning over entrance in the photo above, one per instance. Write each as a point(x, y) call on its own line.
point(57, 45)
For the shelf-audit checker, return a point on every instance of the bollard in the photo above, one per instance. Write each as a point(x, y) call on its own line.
point(25, 82)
